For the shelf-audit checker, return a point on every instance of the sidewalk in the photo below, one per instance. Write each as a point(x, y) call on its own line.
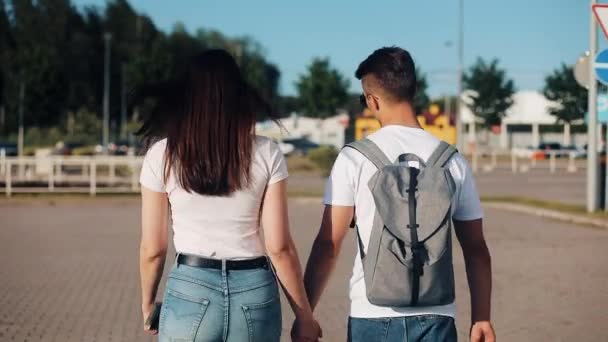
point(69, 273)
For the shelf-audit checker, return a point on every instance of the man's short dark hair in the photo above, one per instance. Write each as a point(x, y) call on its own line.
point(394, 71)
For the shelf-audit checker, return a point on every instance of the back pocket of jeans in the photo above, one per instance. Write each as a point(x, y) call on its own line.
point(264, 320)
point(181, 316)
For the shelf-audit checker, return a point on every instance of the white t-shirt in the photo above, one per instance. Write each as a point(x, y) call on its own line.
point(347, 186)
point(213, 226)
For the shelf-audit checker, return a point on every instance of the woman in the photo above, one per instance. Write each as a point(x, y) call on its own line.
point(220, 181)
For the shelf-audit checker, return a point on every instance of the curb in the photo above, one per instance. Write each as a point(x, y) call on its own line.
point(552, 214)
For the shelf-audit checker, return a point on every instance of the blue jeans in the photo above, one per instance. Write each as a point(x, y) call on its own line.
point(208, 305)
point(431, 328)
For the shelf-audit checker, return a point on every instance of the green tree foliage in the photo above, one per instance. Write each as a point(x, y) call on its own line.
point(492, 88)
point(285, 105)
point(57, 51)
point(322, 89)
point(324, 157)
point(422, 100)
point(561, 87)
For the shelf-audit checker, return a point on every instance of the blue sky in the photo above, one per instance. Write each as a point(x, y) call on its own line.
point(530, 37)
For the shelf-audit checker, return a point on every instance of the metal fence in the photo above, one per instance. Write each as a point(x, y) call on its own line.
point(554, 162)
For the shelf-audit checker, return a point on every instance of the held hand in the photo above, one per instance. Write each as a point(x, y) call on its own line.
point(306, 331)
point(146, 310)
point(482, 331)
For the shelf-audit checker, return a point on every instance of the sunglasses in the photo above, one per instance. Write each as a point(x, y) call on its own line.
point(363, 100)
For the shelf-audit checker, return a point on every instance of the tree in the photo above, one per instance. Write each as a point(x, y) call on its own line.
point(491, 91)
point(561, 87)
point(57, 51)
point(285, 105)
point(322, 89)
point(421, 100)
point(7, 44)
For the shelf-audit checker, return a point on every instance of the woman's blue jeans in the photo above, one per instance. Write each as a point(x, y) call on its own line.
point(205, 305)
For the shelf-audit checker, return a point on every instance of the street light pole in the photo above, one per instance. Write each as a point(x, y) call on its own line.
point(592, 160)
point(20, 133)
point(459, 132)
point(123, 103)
point(106, 94)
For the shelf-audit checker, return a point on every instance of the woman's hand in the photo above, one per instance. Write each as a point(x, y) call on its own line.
point(306, 330)
point(146, 310)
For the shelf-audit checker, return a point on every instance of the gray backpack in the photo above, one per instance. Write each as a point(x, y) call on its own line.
point(409, 257)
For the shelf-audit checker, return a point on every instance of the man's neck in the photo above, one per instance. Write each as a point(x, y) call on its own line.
point(400, 115)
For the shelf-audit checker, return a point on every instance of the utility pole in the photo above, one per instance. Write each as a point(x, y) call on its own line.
point(21, 114)
point(592, 160)
point(123, 102)
point(2, 119)
point(106, 94)
point(459, 132)
point(20, 138)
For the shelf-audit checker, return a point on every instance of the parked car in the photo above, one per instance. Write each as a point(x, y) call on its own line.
point(121, 147)
point(542, 151)
point(529, 152)
point(301, 146)
point(576, 151)
point(286, 149)
point(553, 147)
point(66, 149)
point(9, 148)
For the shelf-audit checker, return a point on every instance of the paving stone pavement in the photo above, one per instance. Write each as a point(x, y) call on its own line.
point(69, 273)
point(537, 183)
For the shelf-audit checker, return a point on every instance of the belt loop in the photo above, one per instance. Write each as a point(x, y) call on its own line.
point(224, 266)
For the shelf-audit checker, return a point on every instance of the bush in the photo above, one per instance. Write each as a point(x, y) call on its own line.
point(35, 136)
point(301, 165)
point(84, 151)
point(324, 157)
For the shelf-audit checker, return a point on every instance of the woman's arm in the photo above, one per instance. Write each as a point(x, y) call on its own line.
point(153, 247)
point(284, 257)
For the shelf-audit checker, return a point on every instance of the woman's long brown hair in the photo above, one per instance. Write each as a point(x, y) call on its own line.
point(208, 117)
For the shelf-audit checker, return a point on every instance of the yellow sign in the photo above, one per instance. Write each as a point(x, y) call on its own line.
point(439, 127)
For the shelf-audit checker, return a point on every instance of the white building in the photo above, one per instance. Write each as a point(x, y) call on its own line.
point(530, 108)
point(328, 131)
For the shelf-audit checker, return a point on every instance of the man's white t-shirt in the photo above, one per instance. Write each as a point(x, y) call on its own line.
point(347, 186)
point(212, 226)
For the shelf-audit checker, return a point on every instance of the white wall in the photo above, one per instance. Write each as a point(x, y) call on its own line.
point(524, 139)
point(328, 131)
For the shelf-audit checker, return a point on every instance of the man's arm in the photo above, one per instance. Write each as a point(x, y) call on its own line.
point(479, 274)
point(325, 250)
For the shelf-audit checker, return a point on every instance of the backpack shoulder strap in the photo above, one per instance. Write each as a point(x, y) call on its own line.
point(442, 154)
point(371, 151)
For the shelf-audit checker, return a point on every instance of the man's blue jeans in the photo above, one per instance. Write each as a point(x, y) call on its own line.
point(430, 328)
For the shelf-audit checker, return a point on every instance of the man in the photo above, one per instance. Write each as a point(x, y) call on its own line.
point(389, 85)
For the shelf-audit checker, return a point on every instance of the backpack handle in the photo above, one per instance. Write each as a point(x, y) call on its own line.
point(371, 151)
point(441, 155)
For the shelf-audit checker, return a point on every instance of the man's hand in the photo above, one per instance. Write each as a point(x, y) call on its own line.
point(482, 332)
point(306, 331)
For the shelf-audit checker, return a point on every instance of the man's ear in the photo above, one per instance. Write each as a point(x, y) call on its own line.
point(375, 103)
